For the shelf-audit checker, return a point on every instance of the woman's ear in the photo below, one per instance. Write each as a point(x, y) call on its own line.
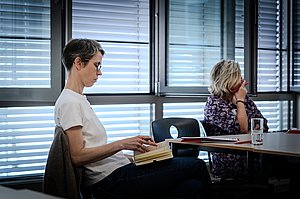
point(77, 63)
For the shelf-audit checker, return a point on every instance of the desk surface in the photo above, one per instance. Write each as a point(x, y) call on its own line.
point(9, 193)
point(274, 143)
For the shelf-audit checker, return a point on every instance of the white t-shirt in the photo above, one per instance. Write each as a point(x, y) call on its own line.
point(73, 109)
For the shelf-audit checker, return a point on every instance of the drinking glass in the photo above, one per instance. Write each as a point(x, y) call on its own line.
point(257, 130)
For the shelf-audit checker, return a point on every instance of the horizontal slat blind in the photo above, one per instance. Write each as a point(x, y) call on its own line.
point(122, 121)
point(296, 35)
point(272, 61)
point(239, 23)
point(268, 46)
point(276, 112)
point(122, 27)
point(25, 137)
point(239, 33)
point(125, 69)
point(26, 133)
point(25, 44)
point(194, 41)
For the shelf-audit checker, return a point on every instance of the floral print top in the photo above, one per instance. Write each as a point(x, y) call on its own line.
point(221, 118)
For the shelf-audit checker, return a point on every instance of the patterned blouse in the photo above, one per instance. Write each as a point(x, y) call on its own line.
point(220, 116)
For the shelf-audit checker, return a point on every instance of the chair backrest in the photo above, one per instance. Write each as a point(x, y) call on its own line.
point(212, 130)
point(186, 127)
point(61, 178)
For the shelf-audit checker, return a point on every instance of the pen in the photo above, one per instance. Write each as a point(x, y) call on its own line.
point(243, 142)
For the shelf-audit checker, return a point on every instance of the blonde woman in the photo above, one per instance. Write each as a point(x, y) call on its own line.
point(228, 111)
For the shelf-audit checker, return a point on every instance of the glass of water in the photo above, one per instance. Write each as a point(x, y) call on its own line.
point(257, 130)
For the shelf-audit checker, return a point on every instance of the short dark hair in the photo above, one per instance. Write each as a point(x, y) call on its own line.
point(85, 49)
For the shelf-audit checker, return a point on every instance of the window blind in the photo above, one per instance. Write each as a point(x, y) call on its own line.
point(269, 46)
point(122, 28)
point(123, 121)
point(274, 111)
point(25, 137)
point(272, 58)
point(268, 60)
point(194, 41)
point(239, 33)
point(25, 44)
point(296, 39)
point(26, 133)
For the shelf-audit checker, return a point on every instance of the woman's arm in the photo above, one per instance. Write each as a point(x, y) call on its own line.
point(81, 155)
point(242, 117)
point(241, 110)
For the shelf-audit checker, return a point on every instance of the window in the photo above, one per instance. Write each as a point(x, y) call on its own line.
point(296, 47)
point(26, 133)
point(277, 113)
point(272, 48)
point(25, 46)
point(25, 39)
point(122, 28)
point(25, 137)
point(195, 28)
point(125, 120)
point(193, 45)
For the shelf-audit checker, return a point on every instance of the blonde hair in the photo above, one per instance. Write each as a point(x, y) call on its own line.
point(223, 76)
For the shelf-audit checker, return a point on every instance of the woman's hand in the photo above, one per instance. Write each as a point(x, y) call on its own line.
point(137, 143)
point(242, 92)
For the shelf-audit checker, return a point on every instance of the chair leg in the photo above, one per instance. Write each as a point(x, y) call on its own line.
point(209, 160)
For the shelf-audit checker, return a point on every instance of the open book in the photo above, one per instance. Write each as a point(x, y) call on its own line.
point(156, 153)
point(209, 139)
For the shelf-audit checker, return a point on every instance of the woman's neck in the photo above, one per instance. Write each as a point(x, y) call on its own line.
point(74, 85)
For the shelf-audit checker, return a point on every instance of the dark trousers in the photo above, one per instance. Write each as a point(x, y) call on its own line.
point(180, 177)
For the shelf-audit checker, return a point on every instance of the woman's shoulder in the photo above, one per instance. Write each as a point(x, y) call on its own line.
point(69, 99)
point(213, 99)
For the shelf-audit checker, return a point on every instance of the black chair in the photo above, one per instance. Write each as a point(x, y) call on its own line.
point(186, 127)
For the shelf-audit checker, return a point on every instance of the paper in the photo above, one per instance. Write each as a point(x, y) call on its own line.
point(208, 139)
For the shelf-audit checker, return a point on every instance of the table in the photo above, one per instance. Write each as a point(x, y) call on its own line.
point(278, 144)
point(9, 193)
point(274, 143)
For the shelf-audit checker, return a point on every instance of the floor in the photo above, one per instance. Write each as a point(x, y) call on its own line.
point(232, 189)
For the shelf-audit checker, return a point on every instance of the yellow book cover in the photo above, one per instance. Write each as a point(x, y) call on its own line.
point(156, 153)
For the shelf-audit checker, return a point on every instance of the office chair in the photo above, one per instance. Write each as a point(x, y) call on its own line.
point(186, 127)
point(61, 178)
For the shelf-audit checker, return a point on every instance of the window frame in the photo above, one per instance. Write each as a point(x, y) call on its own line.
point(42, 96)
point(250, 52)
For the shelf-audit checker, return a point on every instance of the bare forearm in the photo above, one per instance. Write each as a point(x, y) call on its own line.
point(242, 117)
point(82, 155)
point(89, 155)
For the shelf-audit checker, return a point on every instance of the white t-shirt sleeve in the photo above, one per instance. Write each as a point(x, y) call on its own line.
point(71, 114)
